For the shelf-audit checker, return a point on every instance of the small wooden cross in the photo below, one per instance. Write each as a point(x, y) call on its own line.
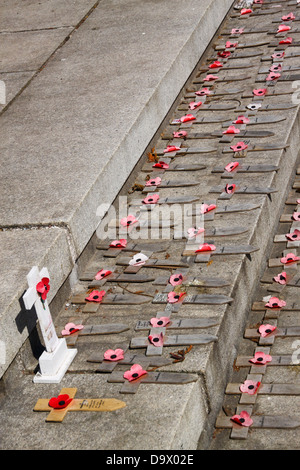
point(176, 340)
point(173, 378)
point(77, 404)
point(204, 257)
point(226, 209)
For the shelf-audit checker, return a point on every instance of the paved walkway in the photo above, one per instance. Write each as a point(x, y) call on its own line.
point(176, 403)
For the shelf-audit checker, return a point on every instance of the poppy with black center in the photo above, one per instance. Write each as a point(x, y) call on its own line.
point(113, 355)
point(59, 402)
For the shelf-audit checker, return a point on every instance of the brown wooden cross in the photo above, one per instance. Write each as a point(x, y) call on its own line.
point(226, 209)
point(172, 378)
point(204, 257)
point(91, 330)
point(77, 404)
point(108, 299)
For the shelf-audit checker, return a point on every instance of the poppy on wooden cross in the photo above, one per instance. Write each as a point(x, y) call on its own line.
point(59, 406)
point(55, 361)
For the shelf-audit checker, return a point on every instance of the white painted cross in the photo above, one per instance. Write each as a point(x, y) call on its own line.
point(55, 361)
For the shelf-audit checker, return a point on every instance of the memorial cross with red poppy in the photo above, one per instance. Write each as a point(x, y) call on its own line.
point(36, 296)
point(60, 405)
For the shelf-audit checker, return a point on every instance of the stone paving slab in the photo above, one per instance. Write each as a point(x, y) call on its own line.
point(28, 15)
point(27, 51)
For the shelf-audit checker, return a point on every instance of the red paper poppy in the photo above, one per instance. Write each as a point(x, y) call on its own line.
point(224, 54)
point(156, 340)
point(102, 274)
point(205, 208)
point(246, 11)
point(176, 279)
point(241, 120)
point(71, 328)
point(193, 232)
point(154, 182)
point(114, 355)
point(230, 188)
point(231, 166)
point(205, 247)
point(215, 65)
point(239, 147)
point(272, 76)
point(282, 28)
point(43, 288)
point(289, 258)
point(136, 371)
point(288, 40)
point(274, 302)
point(276, 68)
point(119, 243)
point(260, 91)
point(203, 92)
point(296, 215)
point(171, 148)
point(160, 322)
point(59, 402)
point(195, 104)
point(281, 278)
point(243, 419)
point(151, 199)
point(278, 55)
point(174, 297)
point(230, 44)
point(180, 134)
point(250, 387)
point(96, 296)
point(187, 118)
point(289, 17)
point(266, 330)
point(261, 358)
point(161, 164)
point(237, 30)
point(232, 130)
point(129, 220)
point(294, 236)
point(210, 78)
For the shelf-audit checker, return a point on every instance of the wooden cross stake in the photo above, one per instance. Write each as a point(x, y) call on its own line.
point(77, 404)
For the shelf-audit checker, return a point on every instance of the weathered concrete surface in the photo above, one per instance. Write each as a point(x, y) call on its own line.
point(159, 416)
point(92, 108)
